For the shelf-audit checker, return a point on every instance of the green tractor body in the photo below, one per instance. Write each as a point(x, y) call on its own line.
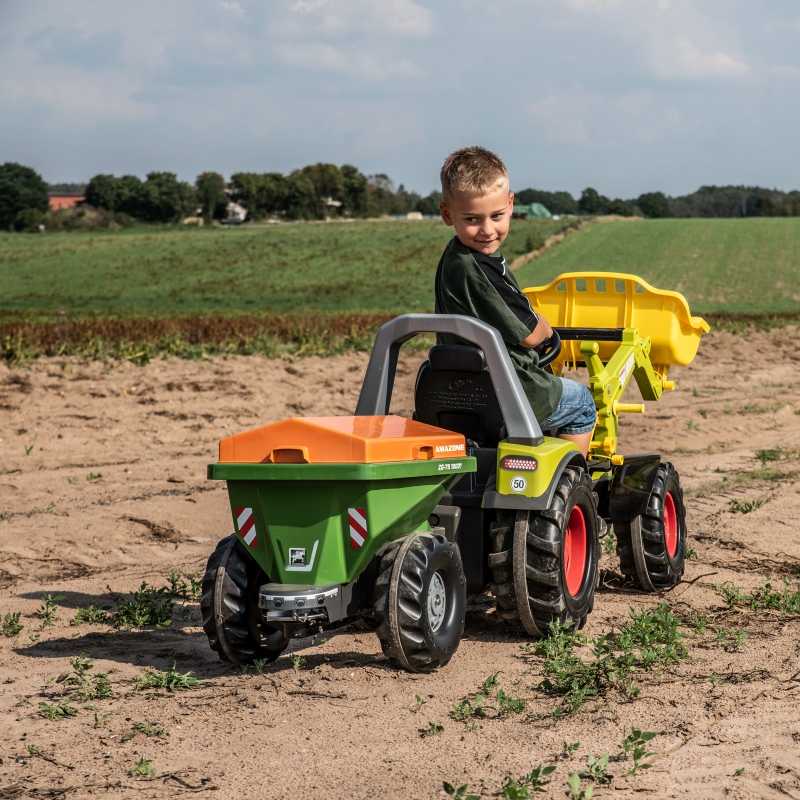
point(392, 522)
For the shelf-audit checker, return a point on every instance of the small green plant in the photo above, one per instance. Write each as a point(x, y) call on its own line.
point(746, 506)
point(147, 607)
point(48, 610)
point(58, 710)
point(28, 449)
point(521, 788)
point(765, 598)
point(94, 476)
point(298, 662)
point(568, 748)
point(170, 680)
point(692, 425)
point(597, 769)
point(90, 615)
point(737, 772)
point(459, 792)
point(478, 705)
point(770, 454)
point(257, 667)
point(431, 729)
point(185, 586)
point(149, 729)
point(649, 638)
point(634, 746)
point(691, 554)
point(10, 625)
point(610, 542)
point(83, 685)
point(418, 703)
point(575, 790)
point(143, 768)
point(730, 639)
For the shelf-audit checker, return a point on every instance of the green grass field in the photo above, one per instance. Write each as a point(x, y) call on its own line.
point(325, 287)
point(722, 266)
point(335, 267)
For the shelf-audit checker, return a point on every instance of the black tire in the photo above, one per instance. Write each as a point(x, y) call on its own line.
point(536, 579)
point(649, 554)
point(420, 601)
point(229, 607)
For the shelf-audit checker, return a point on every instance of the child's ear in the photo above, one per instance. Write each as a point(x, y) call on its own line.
point(445, 212)
point(511, 198)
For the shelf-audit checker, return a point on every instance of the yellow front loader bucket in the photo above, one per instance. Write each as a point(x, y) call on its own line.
point(619, 300)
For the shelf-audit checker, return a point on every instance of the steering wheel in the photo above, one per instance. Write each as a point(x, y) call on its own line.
point(550, 349)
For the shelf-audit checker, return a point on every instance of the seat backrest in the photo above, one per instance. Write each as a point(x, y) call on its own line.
point(454, 391)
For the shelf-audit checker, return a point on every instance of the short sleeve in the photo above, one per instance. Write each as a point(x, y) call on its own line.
point(468, 290)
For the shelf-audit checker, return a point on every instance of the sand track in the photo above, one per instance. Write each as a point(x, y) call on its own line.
point(102, 486)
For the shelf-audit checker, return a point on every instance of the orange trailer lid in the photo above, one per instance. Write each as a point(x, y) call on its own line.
point(333, 440)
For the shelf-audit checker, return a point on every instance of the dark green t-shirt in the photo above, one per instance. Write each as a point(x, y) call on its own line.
point(482, 286)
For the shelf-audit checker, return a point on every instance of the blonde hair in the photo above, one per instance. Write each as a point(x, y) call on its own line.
point(472, 170)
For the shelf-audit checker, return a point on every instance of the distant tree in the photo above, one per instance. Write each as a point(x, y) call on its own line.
point(620, 207)
point(66, 188)
point(653, 204)
point(592, 202)
point(301, 197)
point(210, 189)
point(354, 189)
point(272, 194)
point(129, 191)
point(555, 202)
point(380, 195)
point(327, 179)
point(244, 190)
point(430, 205)
point(101, 192)
point(21, 188)
point(165, 198)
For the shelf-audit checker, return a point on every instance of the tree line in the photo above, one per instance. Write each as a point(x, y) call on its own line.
point(322, 190)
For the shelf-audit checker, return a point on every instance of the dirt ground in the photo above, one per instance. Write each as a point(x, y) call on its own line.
point(102, 486)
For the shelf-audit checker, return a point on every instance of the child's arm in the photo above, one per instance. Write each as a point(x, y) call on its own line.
point(541, 333)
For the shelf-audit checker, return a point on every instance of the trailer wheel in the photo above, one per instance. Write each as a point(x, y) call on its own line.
point(420, 601)
point(544, 563)
point(652, 546)
point(229, 607)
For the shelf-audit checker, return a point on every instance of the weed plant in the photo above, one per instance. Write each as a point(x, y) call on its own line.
point(765, 598)
point(184, 586)
point(171, 680)
point(461, 792)
point(90, 615)
point(148, 607)
point(634, 746)
point(650, 639)
point(57, 711)
point(143, 768)
point(80, 684)
point(48, 610)
point(431, 729)
point(490, 701)
point(10, 625)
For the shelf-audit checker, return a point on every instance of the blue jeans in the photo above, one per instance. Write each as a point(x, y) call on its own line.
point(575, 412)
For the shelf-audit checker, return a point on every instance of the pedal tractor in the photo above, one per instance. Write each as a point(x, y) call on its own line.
point(393, 521)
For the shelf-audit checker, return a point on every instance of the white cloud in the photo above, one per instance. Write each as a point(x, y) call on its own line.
point(402, 18)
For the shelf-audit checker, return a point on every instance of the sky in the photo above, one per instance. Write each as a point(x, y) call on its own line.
point(626, 96)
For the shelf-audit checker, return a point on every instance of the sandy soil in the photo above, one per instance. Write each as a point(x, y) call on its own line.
point(102, 486)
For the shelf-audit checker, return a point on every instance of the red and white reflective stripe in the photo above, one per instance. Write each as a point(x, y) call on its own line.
point(357, 520)
point(246, 523)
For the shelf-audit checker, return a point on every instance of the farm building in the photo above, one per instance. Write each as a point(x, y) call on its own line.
point(531, 211)
point(57, 201)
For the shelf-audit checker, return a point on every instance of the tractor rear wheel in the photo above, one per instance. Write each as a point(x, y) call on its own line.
point(229, 606)
point(652, 546)
point(420, 601)
point(544, 563)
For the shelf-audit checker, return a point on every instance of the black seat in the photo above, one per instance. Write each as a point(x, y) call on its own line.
point(454, 391)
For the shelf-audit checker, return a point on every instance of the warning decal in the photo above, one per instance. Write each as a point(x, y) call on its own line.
point(357, 520)
point(246, 524)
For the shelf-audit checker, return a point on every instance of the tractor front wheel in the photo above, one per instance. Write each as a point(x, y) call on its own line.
point(544, 563)
point(652, 546)
point(420, 601)
point(229, 606)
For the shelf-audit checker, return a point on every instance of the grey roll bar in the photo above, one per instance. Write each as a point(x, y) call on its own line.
point(376, 391)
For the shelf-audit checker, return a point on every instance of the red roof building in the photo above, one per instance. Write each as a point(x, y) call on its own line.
point(66, 200)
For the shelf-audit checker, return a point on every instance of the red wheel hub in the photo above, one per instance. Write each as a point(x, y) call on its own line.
point(575, 555)
point(670, 525)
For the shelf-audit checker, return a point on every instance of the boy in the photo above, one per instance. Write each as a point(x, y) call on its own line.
point(473, 279)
